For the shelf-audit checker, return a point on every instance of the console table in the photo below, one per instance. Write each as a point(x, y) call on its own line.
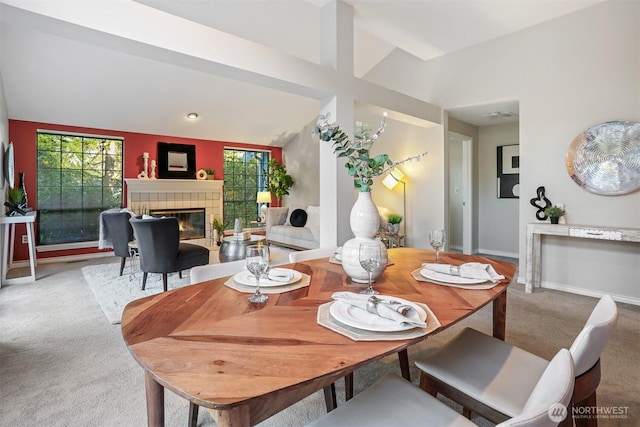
point(536, 229)
point(7, 253)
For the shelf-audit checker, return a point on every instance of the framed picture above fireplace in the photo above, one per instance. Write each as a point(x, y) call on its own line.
point(176, 161)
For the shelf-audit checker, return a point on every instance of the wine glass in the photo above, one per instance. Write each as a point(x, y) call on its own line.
point(370, 257)
point(437, 238)
point(257, 261)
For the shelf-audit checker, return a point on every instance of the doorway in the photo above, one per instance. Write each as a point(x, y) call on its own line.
point(460, 193)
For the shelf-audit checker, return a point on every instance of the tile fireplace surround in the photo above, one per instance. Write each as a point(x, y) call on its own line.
point(146, 194)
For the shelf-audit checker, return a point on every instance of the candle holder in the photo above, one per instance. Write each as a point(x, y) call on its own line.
point(145, 159)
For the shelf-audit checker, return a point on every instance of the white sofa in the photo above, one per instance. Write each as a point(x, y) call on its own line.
point(280, 231)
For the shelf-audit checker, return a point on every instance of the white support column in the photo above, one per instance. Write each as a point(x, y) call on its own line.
point(336, 186)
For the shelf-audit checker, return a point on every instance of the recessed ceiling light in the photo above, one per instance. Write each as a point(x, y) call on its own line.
point(499, 114)
point(192, 116)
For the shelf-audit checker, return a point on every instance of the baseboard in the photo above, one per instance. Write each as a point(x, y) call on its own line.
point(497, 253)
point(588, 292)
point(67, 258)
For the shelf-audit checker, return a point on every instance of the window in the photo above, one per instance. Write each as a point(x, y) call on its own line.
point(79, 176)
point(244, 176)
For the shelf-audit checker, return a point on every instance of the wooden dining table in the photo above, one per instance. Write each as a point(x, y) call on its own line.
point(245, 362)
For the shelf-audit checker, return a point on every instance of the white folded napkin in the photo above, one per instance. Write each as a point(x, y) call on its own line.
point(271, 277)
point(469, 270)
point(279, 274)
point(386, 309)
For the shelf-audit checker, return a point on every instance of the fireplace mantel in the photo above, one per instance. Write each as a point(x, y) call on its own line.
point(135, 185)
point(144, 195)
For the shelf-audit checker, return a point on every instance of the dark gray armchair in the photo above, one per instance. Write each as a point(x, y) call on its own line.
point(161, 251)
point(118, 231)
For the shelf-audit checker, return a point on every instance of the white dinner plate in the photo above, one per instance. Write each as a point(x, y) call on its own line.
point(361, 319)
point(448, 278)
point(247, 279)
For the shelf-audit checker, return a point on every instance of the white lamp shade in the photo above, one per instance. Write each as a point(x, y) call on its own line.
point(393, 178)
point(263, 197)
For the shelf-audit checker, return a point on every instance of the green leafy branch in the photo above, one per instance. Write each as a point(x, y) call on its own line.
point(359, 164)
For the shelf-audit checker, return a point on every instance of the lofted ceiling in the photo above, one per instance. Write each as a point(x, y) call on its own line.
point(54, 71)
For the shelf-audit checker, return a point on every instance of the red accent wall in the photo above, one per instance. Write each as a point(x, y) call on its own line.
point(209, 154)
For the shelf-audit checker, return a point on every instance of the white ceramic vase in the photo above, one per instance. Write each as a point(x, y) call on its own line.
point(364, 221)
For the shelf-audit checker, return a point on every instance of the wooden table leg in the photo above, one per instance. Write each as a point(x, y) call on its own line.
point(348, 386)
point(330, 397)
point(500, 316)
point(239, 416)
point(403, 359)
point(155, 402)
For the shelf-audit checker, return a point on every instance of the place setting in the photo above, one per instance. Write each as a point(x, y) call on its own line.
point(369, 316)
point(259, 279)
point(470, 275)
point(364, 317)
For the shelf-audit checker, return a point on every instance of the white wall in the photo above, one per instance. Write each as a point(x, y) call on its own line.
point(424, 178)
point(300, 156)
point(497, 218)
point(4, 141)
point(568, 74)
point(400, 140)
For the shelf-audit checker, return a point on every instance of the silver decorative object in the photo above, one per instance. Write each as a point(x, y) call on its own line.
point(605, 159)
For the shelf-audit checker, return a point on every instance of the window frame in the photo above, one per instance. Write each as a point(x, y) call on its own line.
point(230, 211)
point(88, 222)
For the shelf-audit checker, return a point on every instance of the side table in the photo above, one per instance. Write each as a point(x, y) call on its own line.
point(233, 249)
point(391, 240)
point(7, 253)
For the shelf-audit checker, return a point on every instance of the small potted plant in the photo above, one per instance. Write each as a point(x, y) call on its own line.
point(394, 221)
point(554, 213)
point(210, 173)
point(219, 227)
point(15, 201)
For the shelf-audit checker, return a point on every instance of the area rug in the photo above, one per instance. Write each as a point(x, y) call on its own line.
point(114, 292)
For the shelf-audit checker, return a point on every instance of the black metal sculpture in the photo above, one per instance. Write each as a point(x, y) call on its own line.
point(536, 202)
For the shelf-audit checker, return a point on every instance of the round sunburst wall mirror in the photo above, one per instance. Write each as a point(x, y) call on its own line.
point(605, 159)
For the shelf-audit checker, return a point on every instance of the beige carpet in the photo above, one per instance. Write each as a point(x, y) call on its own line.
point(63, 364)
point(113, 292)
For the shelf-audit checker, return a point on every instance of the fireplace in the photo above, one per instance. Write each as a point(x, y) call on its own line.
point(145, 195)
point(190, 220)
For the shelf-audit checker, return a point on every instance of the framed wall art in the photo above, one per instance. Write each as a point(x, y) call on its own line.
point(508, 162)
point(176, 161)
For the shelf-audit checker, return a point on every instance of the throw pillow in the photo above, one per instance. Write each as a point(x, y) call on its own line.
point(290, 212)
point(298, 218)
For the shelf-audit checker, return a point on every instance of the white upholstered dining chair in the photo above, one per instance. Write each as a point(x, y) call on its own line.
point(393, 401)
point(299, 256)
point(202, 273)
point(475, 369)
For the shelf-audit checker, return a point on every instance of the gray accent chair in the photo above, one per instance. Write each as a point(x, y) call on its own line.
point(120, 233)
point(161, 251)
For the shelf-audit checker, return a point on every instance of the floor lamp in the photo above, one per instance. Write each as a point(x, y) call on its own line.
point(263, 197)
point(393, 178)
